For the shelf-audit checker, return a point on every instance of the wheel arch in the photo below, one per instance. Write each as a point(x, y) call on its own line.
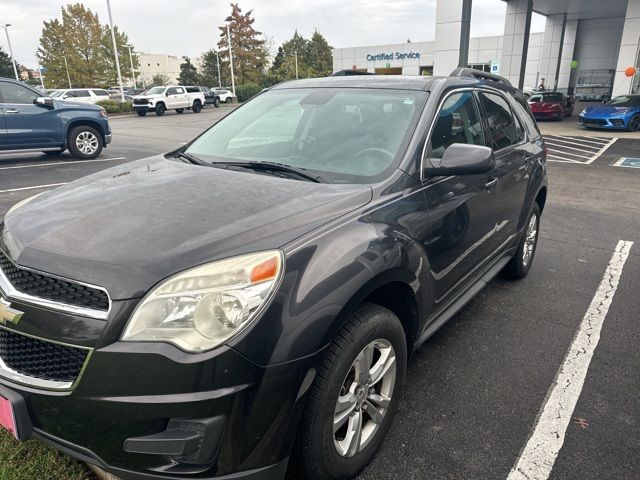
point(87, 123)
point(541, 197)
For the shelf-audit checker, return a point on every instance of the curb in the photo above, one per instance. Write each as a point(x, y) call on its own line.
point(101, 474)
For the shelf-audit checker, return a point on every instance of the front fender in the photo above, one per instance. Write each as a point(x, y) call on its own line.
point(326, 278)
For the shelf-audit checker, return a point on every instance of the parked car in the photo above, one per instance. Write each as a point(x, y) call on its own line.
point(255, 295)
point(551, 105)
point(210, 97)
point(33, 121)
point(81, 95)
point(226, 96)
point(621, 113)
point(172, 97)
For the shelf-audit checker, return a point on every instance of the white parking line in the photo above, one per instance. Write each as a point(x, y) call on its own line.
point(32, 188)
point(561, 159)
point(559, 145)
point(537, 459)
point(593, 140)
point(63, 163)
point(564, 149)
point(562, 140)
point(603, 149)
point(569, 153)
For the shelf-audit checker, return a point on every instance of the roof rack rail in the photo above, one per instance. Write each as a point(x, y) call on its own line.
point(479, 74)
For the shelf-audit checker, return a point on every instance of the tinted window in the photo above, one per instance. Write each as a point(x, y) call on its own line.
point(100, 92)
point(193, 89)
point(80, 93)
point(348, 135)
point(457, 122)
point(625, 101)
point(503, 130)
point(172, 91)
point(13, 93)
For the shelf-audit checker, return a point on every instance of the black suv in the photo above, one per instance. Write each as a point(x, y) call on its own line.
point(254, 296)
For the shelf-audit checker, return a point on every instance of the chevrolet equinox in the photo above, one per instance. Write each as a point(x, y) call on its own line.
point(249, 301)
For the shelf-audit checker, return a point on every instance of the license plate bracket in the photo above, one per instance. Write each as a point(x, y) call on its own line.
point(14, 415)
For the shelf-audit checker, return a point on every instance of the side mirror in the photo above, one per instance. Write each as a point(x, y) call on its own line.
point(46, 102)
point(461, 159)
point(166, 94)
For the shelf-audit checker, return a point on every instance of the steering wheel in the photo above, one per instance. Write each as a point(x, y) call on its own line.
point(376, 150)
point(300, 144)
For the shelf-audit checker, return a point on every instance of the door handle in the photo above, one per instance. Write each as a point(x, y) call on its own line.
point(12, 110)
point(491, 183)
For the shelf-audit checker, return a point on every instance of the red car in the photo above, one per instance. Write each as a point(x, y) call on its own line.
point(551, 105)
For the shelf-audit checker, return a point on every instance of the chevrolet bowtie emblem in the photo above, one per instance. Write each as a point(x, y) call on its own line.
point(8, 314)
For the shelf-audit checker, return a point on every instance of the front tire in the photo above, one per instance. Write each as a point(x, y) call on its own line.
point(84, 142)
point(197, 106)
point(216, 102)
point(354, 396)
point(519, 266)
point(160, 109)
point(141, 113)
point(634, 123)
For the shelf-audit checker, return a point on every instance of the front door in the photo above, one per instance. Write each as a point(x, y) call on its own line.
point(3, 129)
point(462, 207)
point(28, 125)
point(177, 98)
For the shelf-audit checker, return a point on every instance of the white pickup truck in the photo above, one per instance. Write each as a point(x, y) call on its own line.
point(172, 97)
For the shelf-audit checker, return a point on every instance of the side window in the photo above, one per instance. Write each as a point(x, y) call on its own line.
point(172, 91)
point(100, 92)
point(458, 122)
point(193, 89)
point(526, 117)
point(179, 90)
point(82, 93)
point(12, 93)
point(503, 129)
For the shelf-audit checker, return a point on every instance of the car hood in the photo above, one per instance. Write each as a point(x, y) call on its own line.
point(155, 95)
point(77, 105)
point(128, 227)
point(604, 111)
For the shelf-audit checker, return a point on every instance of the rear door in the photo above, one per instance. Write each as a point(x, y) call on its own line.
point(462, 208)
point(508, 139)
point(28, 125)
point(177, 98)
point(3, 128)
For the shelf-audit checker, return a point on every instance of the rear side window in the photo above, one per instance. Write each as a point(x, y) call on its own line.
point(79, 93)
point(100, 92)
point(457, 122)
point(193, 89)
point(504, 130)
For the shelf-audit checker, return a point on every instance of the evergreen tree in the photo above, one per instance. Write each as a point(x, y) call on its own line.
point(6, 66)
point(319, 55)
point(247, 47)
point(159, 80)
point(314, 58)
point(209, 70)
point(188, 73)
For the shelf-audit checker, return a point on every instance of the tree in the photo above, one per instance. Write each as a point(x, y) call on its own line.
point(86, 44)
point(209, 69)
point(314, 58)
point(6, 66)
point(247, 45)
point(159, 80)
point(188, 73)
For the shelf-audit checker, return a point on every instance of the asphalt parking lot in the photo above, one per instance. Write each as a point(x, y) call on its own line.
point(478, 389)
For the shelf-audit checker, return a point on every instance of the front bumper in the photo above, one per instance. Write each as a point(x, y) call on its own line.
point(138, 390)
point(614, 123)
point(107, 138)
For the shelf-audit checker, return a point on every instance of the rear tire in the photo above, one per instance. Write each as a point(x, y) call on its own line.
point(362, 371)
point(84, 142)
point(229, 100)
point(634, 123)
point(519, 266)
point(197, 106)
point(141, 113)
point(216, 102)
point(160, 109)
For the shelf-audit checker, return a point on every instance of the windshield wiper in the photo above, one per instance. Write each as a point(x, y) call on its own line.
point(278, 167)
point(191, 159)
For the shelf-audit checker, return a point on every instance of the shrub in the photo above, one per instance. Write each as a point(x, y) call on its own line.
point(126, 106)
point(246, 91)
point(111, 106)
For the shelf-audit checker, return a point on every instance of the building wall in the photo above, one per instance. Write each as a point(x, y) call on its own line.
point(159, 63)
point(481, 50)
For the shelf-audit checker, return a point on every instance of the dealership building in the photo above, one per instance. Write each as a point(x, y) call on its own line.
point(586, 48)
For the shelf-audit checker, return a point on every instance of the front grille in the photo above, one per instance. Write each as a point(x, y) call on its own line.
point(595, 121)
point(140, 101)
point(39, 359)
point(52, 288)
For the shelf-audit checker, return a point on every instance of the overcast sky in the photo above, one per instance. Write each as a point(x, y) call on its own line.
point(188, 27)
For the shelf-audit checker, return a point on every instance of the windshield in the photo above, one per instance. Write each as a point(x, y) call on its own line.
point(155, 90)
point(625, 101)
point(344, 135)
point(57, 93)
point(546, 97)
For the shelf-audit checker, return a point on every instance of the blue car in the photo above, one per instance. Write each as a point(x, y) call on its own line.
point(31, 121)
point(621, 113)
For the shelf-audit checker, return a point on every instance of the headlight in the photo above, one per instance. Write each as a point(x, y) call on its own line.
point(22, 203)
point(583, 112)
point(619, 112)
point(203, 307)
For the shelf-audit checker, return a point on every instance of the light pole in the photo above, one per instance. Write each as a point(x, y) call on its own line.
point(133, 75)
point(41, 77)
point(218, 62)
point(233, 80)
point(66, 66)
point(115, 52)
point(296, 54)
point(13, 59)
